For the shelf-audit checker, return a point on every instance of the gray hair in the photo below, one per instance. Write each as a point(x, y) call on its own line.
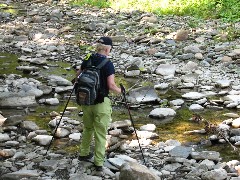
point(100, 47)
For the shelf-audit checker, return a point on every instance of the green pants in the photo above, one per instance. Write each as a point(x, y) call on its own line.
point(96, 119)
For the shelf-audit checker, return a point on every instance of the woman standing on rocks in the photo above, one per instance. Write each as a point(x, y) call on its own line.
point(96, 118)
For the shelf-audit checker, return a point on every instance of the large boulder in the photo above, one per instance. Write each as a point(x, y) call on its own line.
point(135, 171)
point(142, 95)
point(16, 100)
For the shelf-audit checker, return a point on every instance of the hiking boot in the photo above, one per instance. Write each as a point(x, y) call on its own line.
point(85, 158)
point(98, 168)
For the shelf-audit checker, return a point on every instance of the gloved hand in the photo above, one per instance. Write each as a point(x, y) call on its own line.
point(73, 80)
point(122, 89)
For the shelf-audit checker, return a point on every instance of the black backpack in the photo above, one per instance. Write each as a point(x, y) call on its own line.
point(88, 88)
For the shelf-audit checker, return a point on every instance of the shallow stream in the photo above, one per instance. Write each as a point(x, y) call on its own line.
point(172, 130)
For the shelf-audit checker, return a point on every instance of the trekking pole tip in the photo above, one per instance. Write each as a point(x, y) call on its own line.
point(122, 88)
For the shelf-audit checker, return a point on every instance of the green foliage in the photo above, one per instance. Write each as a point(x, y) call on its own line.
point(97, 3)
point(232, 32)
point(151, 31)
point(228, 10)
point(2, 6)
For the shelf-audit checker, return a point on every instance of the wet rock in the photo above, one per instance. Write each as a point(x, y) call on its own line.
point(59, 81)
point(161, 113)
point(182, 35)
point(42, 139)
point(49, 165)
point(61, 132)
point(2, 120)
point(14, 100)
point(196, 107)
point(180, 151)
point(7, 153)
point(120, 124)
point(193, 95)
point(148, 127)
point(166, 69)
point(52, 101)
point(29, 125)
point(211, 155)
point(4, 137)
point(133, 170)
point(21, 174)
point(216, 174)
point(142, 95)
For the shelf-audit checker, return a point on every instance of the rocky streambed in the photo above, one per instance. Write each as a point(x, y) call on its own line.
point(199, 59)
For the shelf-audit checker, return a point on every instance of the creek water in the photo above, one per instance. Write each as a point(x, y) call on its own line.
point(172, 130)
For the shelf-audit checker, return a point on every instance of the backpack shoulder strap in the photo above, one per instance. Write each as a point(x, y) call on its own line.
point(88, 58)
point(102, 64)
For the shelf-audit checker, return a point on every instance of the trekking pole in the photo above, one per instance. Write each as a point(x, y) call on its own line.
point(60, 119)
point(125, 100)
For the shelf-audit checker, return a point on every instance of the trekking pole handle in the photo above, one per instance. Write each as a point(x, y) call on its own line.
point(122, 88)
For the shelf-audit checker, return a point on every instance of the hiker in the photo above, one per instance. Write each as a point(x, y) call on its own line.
point(96, 118)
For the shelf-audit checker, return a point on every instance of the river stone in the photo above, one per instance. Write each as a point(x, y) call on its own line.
point(2, 120)
point(142, 95)
point(60, 89)
point(199, 56)
point(148, 127)
point(172, 142)
point(180, 151)
point(115, 132)
point(29, 125)
point(42, 139)
point(147, 135)
point(31, 90)
point(83, 177)
point(190, 67)
point(58, 80)
point(14, 120)
point(120, 124)
point(197, 171)
point(133, 171)
point(143, 142)
point(235, 138)
point(49, 165)
point(216, 174)
point(45, 89)
point(52, 101)
point(196, 107)
point(172, 167)
point(19, 155)
point(233, 98)
point(166, 69)
point(193, 95)
point(61, 132)
point(208, 163)
point(119, 160)
point(191, 49)
point(15, 101)
point(12, 143)
point(176, 102)
point(236, 123)
point(75, 136)
point(236, 51)
point(21, 174)
point(211, 155)
point(161, 86)
point(223, 83)
point(7, 153)
point(235, 132)
point(27, 68)
point(161, 113)
point(4, 137)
